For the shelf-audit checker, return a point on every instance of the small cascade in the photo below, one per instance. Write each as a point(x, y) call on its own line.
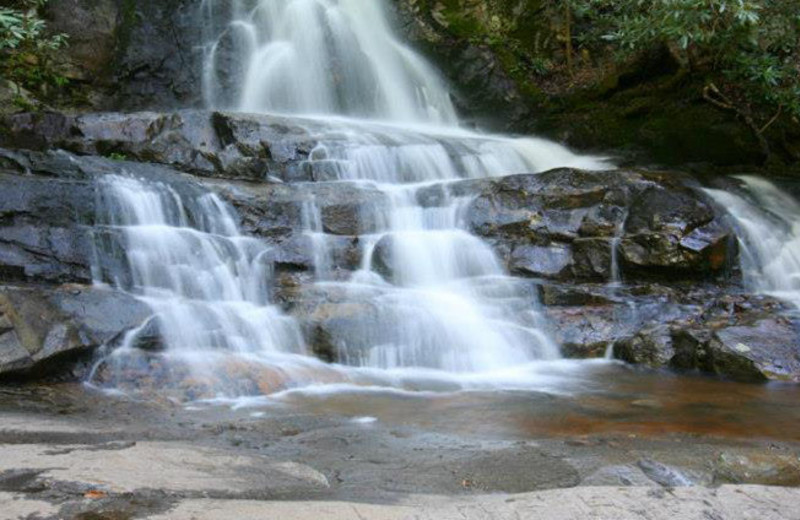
point(768, 223)
point(615, 280)
point(183, 255)
point(440, 298)
point(353, 150)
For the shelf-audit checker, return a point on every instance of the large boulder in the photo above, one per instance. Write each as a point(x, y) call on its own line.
point(768, 349)
point(44, 331)
point(579, 225)
point(650, 346)
point(280, 209)
point(742, 338)
point(590, 327)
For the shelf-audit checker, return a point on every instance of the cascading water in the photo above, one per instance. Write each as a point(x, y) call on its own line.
point(316, 57)
point(431, 297)
point(768, 224)
point(207, 284)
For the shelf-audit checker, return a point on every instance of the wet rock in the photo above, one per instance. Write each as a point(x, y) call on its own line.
point(765, 468)
point(210, 144)
point(659, 227)
point(49, 225)
point(42, 231)
point(148, 337)
point(669, 476)
point(651, 347)
point(734, 337)
point(689, 344)
point(322, 253)
point(666, 208)
point(339, 326)
point(336, 330)
point(289, 287)
point(550, 262)
point(383, 258)
point(615, 476)
point(603, 220)
point(279, 210)
point(43, 330)
point(767, 349)
point(587, 331)
point(554, 294)
point(353, 217)
point(593, 258)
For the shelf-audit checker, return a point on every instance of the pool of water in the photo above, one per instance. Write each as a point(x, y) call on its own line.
point(603, 398)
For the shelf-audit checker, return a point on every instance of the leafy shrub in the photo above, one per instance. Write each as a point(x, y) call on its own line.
point(27, 50)
point(751, 46)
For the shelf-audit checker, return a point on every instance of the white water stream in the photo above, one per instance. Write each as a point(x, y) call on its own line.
point(438, 307)
point(768, 224)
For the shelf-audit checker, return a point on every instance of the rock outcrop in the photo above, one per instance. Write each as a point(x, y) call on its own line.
point(44, 331)
point(208, 144)
point(577, 225)
point(638, 264)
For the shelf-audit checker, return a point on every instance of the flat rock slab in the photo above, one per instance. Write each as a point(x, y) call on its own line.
point(171, 467)
point(727, 502)
point(13, 506)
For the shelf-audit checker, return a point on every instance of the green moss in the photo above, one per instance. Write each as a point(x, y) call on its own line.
point(128, 20)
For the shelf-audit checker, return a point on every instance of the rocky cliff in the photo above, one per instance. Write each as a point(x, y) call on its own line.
point(570, 235)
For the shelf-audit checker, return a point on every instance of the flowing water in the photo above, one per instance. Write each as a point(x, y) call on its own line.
point(767, 220)
point(434, 309)
point(436, 306)
point(317, 57)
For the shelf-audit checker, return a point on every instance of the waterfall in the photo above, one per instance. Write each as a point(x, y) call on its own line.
point(432, 298)
point(768, 225)
point(316, 57)
point(206, 283)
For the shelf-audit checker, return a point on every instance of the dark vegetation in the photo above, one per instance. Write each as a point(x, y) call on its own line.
point(672, 81)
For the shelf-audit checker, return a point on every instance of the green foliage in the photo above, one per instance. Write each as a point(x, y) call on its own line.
point(27, 51)
point(751, 45)
point(497, 24)
point(116, 156)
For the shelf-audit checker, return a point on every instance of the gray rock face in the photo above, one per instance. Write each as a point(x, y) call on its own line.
point(42, 232)
point(90, 26)
point(569, 224)
point(766, 349)
point(485, 91)
point(209, 144)
point(755, 345)
point(40, 328)
point(158, 56)
point(47, 213)
point(739, 337)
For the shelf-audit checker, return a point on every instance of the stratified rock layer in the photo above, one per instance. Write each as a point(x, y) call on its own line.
point(635, 263)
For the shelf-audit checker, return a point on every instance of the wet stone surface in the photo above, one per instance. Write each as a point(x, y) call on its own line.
point(57, 444)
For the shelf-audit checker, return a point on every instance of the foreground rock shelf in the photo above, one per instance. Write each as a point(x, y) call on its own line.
point(638, 264)
point(66, 452)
